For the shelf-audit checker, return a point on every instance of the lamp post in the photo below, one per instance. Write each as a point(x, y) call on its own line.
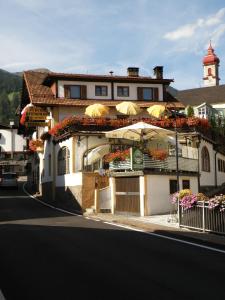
point(176, 147)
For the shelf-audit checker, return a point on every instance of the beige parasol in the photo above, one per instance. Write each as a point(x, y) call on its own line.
point(128, 108)
point(157, 111)
point(96, 110)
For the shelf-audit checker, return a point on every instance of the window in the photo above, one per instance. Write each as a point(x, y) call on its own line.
point(205, 159)
point(186, 184)
point(123, 91)
point(221, 165)
point(101, 90)
point(173, 186)
point(49, 165)
point(75, 91)
point(147, 94)
point(63, 161)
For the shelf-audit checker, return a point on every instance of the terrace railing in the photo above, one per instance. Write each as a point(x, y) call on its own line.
point(169, 164)
point(203, 218)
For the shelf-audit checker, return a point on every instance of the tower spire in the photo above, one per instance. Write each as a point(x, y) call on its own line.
point(211, 67)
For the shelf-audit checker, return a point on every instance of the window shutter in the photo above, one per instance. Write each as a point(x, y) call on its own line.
point(66, 91)
point(83, 92)
point(155, 94)
point(140, 93)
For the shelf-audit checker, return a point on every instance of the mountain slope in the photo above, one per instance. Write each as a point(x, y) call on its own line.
point(10, 93)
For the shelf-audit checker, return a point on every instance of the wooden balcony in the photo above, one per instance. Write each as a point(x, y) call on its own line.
point(169, 164)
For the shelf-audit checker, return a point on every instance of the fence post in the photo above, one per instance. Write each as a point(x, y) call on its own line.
point(178, 212)
point(203, 216)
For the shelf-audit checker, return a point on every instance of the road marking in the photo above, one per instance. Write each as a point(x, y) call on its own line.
point(8, 197)
point(167, 237)
point(46, 204)
point(1, 296)
point(131, 228)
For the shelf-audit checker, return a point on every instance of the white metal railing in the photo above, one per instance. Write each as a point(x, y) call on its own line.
point(184, 164)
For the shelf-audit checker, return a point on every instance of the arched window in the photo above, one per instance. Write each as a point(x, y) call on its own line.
point(63, 161)
point(209, 72)
point(205, 160)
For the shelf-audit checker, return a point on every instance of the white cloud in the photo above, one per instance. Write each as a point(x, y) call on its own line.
point(185, 31)
point(189, 30)
point(215, 19)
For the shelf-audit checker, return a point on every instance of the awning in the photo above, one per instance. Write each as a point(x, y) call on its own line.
point(97, 153)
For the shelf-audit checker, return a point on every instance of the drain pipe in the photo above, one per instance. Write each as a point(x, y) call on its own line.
point(215, 169)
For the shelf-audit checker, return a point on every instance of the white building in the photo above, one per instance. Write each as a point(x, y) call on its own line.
point(13, 155)
point(65, 169)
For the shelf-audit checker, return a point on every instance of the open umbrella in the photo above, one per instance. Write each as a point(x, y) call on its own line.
point(96, 110)
point(139, 132)
point(157, 111)
point(128, 108)
point(97, 153)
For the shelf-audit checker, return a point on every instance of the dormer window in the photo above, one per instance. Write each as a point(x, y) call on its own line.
point(75, 91)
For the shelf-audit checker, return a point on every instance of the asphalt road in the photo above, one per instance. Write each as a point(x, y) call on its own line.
point(45, 254)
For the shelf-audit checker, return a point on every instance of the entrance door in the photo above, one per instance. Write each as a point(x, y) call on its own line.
point(127, 194)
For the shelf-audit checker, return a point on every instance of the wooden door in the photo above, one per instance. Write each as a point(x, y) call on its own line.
point(127, 194)
point(91, 181)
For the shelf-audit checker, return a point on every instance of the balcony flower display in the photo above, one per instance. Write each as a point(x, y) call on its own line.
point(117, 156)
point(185, 198)
point(217, 202)
point(117, 123)
point(158, 154)
point(36, 145)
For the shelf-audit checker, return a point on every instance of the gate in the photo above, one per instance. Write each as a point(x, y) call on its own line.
point(127, 194)
point(91, 181)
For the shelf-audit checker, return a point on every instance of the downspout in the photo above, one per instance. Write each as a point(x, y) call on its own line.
point(199, 140)
point(112, 90)
point(215, 169)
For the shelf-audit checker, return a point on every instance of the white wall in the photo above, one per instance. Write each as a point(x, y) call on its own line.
point(220, 175)
point(91, 89)
point(8, 143)
point(72, 179)
point(158, 192)
point(210, 81)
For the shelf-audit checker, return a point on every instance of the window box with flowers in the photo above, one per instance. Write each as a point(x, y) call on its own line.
point(119, 159)
point(36, 145)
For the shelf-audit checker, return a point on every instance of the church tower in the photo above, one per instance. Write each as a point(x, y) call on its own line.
point(211, 68)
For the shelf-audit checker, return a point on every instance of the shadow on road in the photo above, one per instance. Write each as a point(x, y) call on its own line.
point(45, 262)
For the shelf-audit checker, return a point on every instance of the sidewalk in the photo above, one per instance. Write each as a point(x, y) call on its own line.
point(161, 224)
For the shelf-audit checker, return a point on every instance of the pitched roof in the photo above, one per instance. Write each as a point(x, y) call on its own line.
point(41, 94)
point(210, 95)
point(115, 78)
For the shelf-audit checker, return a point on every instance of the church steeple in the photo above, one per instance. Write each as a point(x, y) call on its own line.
point(211, 68)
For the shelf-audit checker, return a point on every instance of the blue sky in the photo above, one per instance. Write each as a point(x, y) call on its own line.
point(96, 36)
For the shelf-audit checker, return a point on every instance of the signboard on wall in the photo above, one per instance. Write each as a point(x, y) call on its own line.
point(136, 159)
point(36, 116)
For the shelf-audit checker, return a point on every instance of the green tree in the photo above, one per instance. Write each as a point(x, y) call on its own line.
point(5, 109)
point(190, 111)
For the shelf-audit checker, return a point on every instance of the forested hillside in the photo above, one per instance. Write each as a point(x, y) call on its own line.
point(10, 93)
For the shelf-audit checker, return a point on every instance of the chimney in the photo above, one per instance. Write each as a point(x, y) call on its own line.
point(132, 72)
point(158, 72)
